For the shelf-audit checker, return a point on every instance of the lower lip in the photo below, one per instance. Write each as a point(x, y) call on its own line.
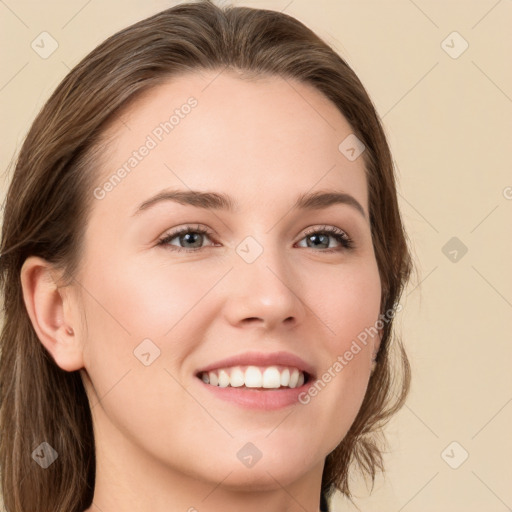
point(257, 398)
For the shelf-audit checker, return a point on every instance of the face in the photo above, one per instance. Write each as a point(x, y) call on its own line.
point(178, 286)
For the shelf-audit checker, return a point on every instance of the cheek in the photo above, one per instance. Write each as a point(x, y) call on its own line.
point(124, 309)
point(347, 304)
point(131, 311)
point(148, 301)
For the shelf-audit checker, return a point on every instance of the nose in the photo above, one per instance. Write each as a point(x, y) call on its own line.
point(265, 293)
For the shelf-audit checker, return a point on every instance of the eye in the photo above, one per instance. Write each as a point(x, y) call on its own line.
point(193, 238)
point(320, 237)
point(187, 235)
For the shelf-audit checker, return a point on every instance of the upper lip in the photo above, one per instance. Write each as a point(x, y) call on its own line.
point(261, 359)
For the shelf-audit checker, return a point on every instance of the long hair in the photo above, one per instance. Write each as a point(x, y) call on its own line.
point(50, 196)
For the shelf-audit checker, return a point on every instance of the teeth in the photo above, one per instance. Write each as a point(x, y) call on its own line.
point(294, 378)
point(271, 377)
point(237, 378)
point(223, 379)
point(214, 380)
point(253, 377)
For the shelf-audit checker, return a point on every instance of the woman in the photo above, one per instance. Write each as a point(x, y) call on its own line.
point(250, 369)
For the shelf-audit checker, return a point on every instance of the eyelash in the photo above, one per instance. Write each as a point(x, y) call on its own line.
point(346, 242)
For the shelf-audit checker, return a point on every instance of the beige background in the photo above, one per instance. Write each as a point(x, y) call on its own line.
point(449, 124)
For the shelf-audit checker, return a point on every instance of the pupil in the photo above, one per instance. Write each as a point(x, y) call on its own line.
point(317, 237)
point(188, 236)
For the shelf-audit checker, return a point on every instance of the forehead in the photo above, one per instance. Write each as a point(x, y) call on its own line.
point(212, 129)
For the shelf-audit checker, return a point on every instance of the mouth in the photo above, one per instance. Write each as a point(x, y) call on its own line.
point(273, 377)
point(256, 380)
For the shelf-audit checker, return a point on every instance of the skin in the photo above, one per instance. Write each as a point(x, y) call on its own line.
point(164, 442)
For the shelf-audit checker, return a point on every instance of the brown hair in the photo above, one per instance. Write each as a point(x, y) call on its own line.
point(50, 196)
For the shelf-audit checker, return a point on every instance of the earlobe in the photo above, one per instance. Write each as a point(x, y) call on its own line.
point(47, 307)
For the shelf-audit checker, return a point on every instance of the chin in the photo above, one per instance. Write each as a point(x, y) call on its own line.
point(263, 476)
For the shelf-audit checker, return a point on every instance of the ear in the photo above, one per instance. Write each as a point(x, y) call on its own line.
point(49, 308)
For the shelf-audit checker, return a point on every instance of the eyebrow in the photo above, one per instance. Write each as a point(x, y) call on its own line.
point(218, 201)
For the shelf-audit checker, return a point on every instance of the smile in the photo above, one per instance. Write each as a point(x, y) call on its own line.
point(269, 377)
